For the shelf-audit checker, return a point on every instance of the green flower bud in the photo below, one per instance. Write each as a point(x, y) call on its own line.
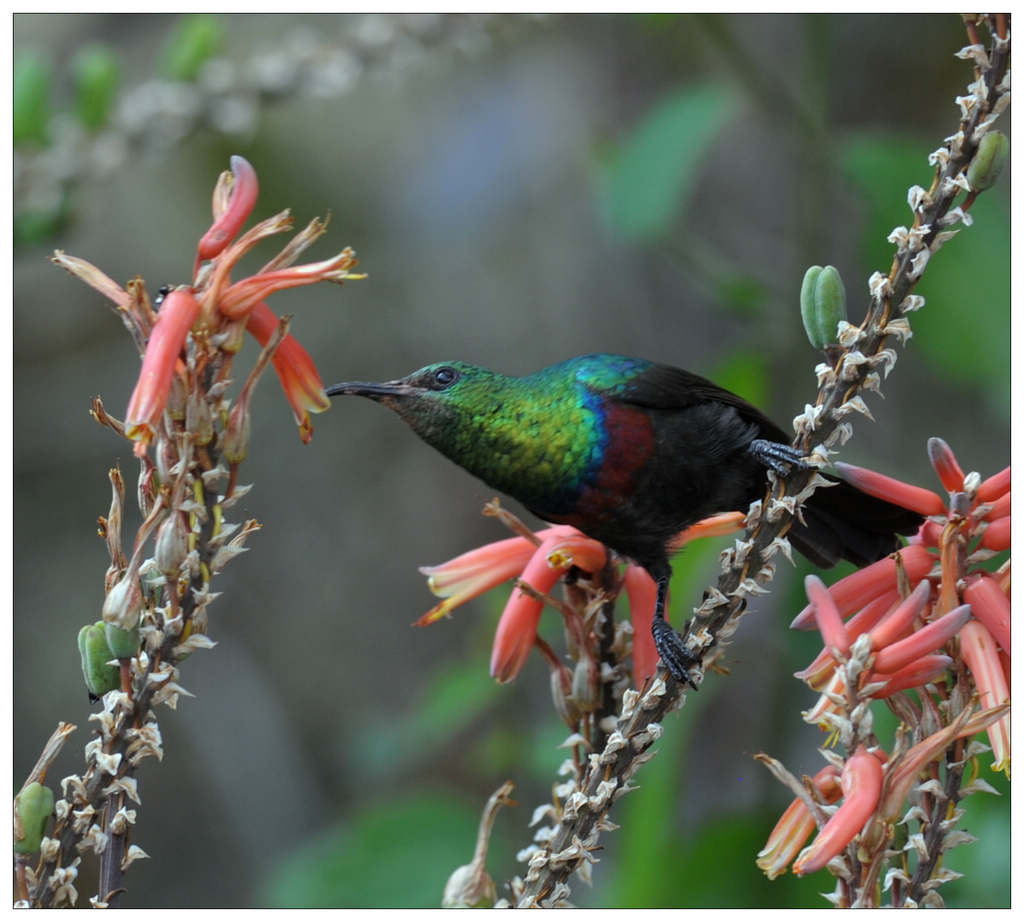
point(97, 75)
point(123, 644)
point(822, 304)
point(32, 808)
point(988, 162)
point(100, 675)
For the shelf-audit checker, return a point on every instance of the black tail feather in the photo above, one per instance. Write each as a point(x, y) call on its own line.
point(842, 523)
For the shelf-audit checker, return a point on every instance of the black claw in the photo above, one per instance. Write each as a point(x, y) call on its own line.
point(673, 654)
point(780, 458)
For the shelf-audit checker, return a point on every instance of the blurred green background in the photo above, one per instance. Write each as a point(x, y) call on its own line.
point(520, 189)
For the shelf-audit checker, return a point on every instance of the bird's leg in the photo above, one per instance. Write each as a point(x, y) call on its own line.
point(777, 457)
point(667, 641)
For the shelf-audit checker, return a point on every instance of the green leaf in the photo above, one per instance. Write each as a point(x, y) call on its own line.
point(647, 180)
point(457, 695)
point(964, 327)
point(396, 853)
point(31, 99)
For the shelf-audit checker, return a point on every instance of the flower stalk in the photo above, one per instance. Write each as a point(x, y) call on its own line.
point(190, 437)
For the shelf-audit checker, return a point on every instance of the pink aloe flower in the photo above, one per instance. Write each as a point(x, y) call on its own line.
point(796, 825)
point(903, 657)
point(982, 658)
point(517, 629)
point(295, 369)
point(216, 307)
point(895, 491)
point(166, 342)
point(233, 205)
point(990, 606)
point(817, 674)
point(642, 593)
point(540, 565)
point(861, 783)
point(853, 592)
point(477, 571)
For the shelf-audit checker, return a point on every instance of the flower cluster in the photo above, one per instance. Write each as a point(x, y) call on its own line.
point(190, 438)
point(540, 560)
point(927, 620)
point(216, 311)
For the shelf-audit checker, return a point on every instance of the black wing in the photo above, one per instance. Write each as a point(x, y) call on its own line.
point(664, 387)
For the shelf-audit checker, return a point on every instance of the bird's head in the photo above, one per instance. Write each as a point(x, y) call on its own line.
point(439, 401)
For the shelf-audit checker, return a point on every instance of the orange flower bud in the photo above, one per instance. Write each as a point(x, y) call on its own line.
point(997, 535)
point(995, 486)
point(244, 191)
point(894, 491)
point(862, 785)
point(990, 606)
point(945, 464)
point(982, 658)
point(926, 640)
point(795, 825)
point(858, 589)
point(830, 623)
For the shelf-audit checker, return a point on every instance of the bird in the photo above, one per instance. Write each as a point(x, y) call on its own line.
point(630, 452)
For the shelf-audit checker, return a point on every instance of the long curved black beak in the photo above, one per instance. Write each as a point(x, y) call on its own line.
point(375, 391)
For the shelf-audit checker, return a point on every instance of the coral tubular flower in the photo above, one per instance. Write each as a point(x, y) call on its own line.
point(830, 623)
point(854, 591)
point(899, 622)
point(224, 309)
point(982, 658)
point(946, 466)
point(240, 298)
point(517, 629)
point(997, 535)
point(920, 672)
point(477, 571)
point(642, 592)
point(818, 672)
point(924, 641)
point(895, 491)
point(795, 825)
point(245, 189)
point(714, 526)
point(994, 487)
point(990, 606)
point(298, 375)
point(861, 782)
point(1000, 508)
point(179, 311)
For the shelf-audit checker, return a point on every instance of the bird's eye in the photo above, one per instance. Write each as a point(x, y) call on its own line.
point(444, 376)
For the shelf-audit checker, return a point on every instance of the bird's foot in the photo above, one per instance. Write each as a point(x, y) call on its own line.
point(782, 459)
point(673, 654)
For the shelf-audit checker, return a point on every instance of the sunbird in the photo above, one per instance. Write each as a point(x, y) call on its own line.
point(630, 452)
